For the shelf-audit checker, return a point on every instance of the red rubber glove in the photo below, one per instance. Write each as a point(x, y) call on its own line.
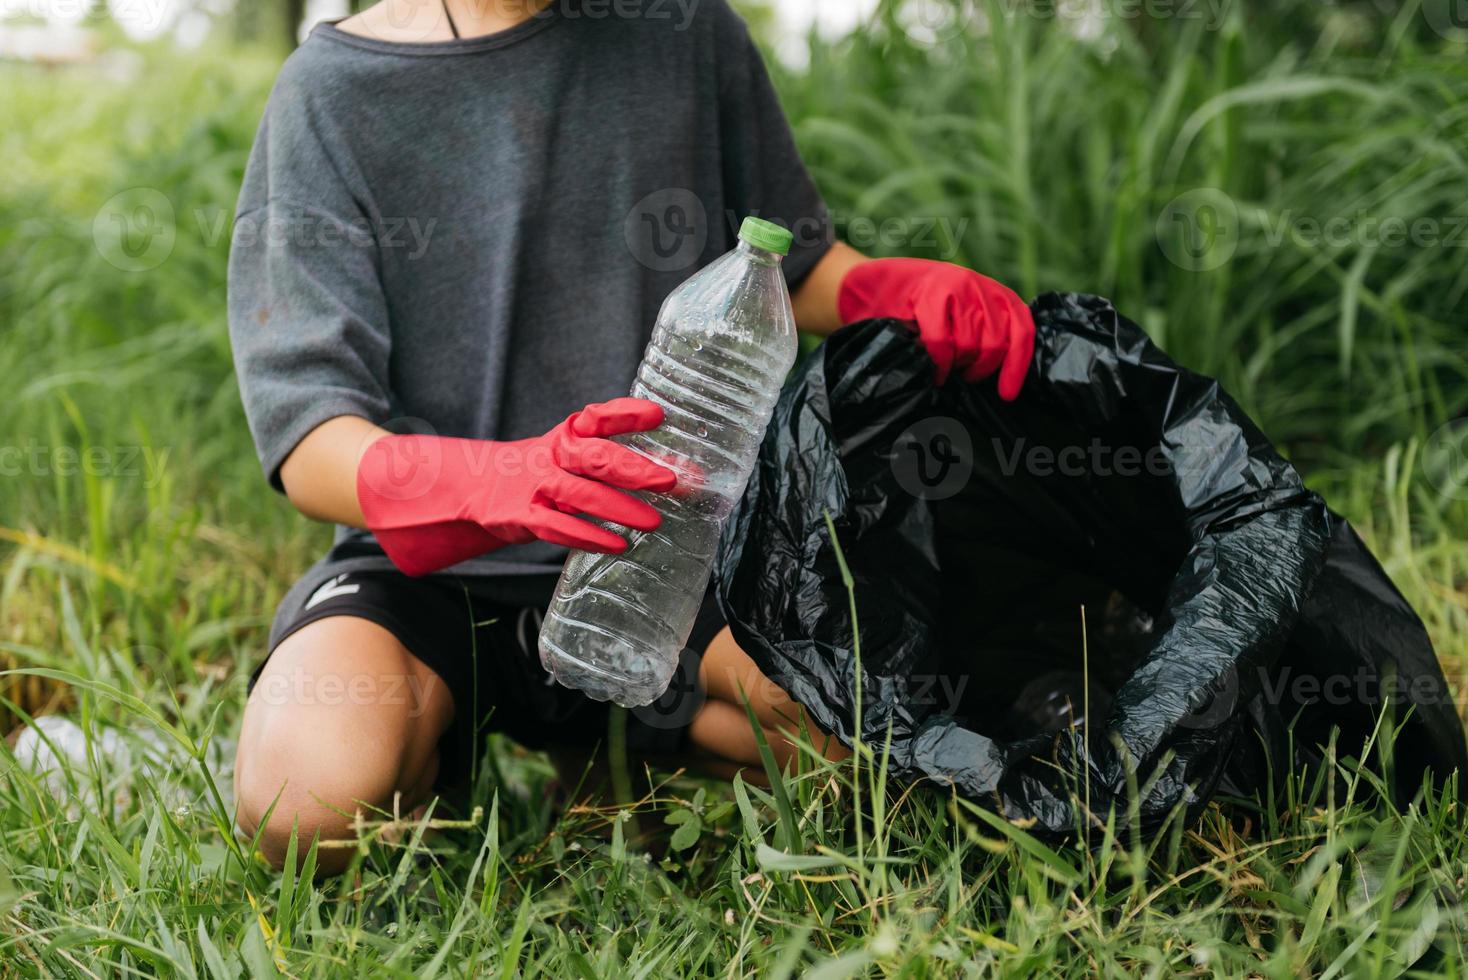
point(965, 320)
point(433, 501)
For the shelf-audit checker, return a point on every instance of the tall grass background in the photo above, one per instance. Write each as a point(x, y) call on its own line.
point(1064, 151)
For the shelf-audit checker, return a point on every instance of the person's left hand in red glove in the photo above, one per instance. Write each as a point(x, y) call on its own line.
point(967, 322)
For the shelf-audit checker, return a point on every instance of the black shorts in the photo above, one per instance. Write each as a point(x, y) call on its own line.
point(479, 636)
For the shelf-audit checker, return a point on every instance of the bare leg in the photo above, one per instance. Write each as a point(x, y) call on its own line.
point(342, 717)
point(720, 730)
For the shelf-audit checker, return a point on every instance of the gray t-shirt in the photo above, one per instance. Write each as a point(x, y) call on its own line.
point(473, 237)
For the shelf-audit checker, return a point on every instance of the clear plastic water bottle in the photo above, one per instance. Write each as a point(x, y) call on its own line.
point(724, 341)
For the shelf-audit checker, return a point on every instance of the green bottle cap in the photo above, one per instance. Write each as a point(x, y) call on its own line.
point(766, 235)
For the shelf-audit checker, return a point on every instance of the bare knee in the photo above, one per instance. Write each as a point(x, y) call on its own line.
point(286, 786)
point(331, 731)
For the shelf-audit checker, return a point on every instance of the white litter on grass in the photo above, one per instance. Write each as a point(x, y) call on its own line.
point(56, 751)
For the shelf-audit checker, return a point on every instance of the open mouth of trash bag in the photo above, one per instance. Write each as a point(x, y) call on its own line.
point(1113, 581)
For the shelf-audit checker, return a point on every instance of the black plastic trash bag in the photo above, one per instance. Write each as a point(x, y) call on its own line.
point(1231, 619)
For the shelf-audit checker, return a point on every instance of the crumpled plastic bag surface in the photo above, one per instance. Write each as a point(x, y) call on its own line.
point(1223, 600)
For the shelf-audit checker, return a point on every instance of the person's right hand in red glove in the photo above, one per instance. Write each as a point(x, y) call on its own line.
point(434, 501)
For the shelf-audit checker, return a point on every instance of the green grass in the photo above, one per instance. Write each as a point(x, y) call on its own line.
point(151, 588)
